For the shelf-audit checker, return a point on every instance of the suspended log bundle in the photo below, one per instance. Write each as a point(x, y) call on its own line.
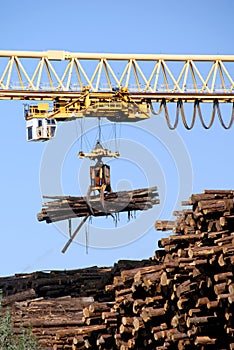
point(181, 298)
point(67, 207)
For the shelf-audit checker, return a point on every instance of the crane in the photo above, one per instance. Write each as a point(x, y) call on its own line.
point(61, 86)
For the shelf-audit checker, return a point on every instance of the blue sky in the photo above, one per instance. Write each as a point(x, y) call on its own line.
point(176, 27)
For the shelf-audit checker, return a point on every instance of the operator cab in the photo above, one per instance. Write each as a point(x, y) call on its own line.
point(40, 129)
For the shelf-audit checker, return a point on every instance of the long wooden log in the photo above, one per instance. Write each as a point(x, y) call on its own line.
point(62, 208)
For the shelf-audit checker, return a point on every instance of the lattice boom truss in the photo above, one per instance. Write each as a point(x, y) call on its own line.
point(50, 74)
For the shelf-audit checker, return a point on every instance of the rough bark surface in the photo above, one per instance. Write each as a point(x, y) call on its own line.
point(181, 298)
point(67, 207)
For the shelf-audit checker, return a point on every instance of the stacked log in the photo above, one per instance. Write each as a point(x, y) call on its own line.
point(54, 304)
point(201, 251)
point(182, 298)
point(84, 282)
point(186, 300)
point(75, 283)
point(47, 318)
point(67, 207)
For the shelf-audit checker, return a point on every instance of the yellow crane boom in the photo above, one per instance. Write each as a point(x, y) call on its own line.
point(120, 87)
point(54, 74)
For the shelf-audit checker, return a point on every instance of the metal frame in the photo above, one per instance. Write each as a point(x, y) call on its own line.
point(73, 235)
point(60, 74)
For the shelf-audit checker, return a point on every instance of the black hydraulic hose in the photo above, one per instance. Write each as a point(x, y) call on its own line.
point(153, 110)
point(221, 118)
point(170, 126)
point(181, 106)
point(202, 120)
point(196, 108)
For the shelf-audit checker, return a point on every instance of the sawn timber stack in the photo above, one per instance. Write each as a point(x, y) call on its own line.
point(66, 207)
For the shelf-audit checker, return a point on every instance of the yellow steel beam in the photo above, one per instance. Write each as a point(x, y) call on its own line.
point(155, 75)
point(65, 55)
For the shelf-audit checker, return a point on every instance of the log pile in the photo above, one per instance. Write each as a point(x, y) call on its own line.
point(67, 207)
point(49, 317)
point(182, 299)
point(75, 283)
point(84, 282)
point(52, 303)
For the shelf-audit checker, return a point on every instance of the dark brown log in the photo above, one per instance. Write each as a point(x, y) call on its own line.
point(178, 336)
point(204, 340)
point(220, 288)
point(24, 295)
point(222, 193)
point(223, 276)
point(194, 312)
point(181, 303)
point(125, 329)
point(149, 312)
point(212, 304)
point(104, 338)
point(164, 225)
point(109, 314)
point(138, 323)
point(159, 335)
point(62, 208)
point(156, 300)
point(202, 301)
point(200, 320)
point(123, 292)
point(93, 320)
point(204, 251)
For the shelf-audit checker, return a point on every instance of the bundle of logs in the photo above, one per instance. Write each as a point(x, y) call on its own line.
point(182, 299)
point(67, 207)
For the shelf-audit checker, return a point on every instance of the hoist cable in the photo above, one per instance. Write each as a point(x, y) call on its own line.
point(99, 129)
point(118, 135)
point(81, 137)
point(84, 136)
point(87, 238)
point(115, 136)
